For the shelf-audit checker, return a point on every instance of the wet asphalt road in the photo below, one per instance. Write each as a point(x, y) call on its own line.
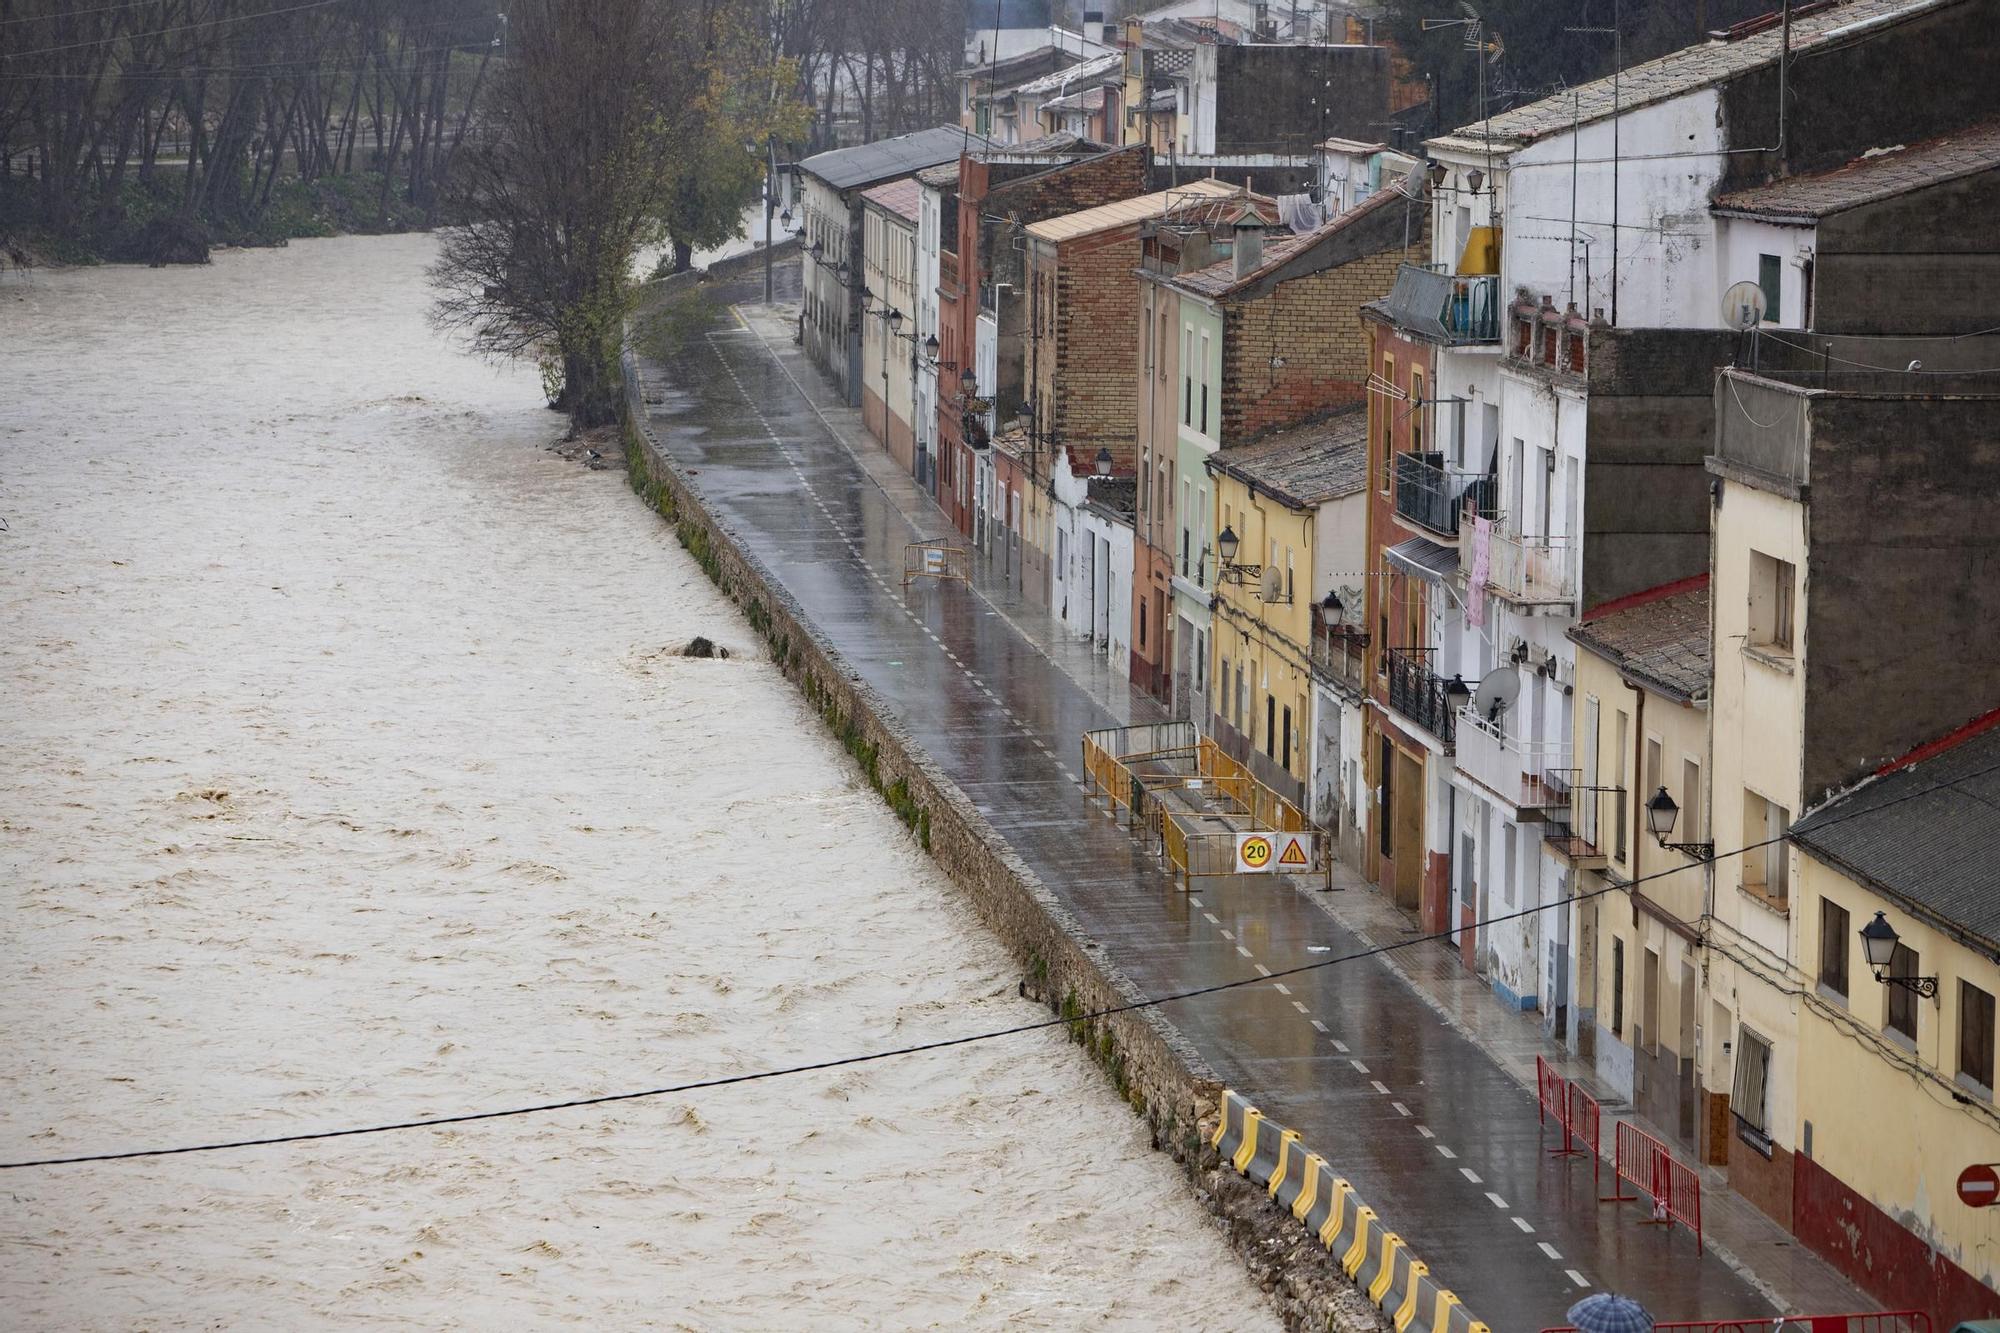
point(1430, 1130)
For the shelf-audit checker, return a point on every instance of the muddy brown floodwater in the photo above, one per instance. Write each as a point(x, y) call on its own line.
point(348, 777)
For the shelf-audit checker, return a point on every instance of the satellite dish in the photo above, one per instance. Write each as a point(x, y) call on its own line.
point(1743, 306)
point(1274, 584)
point(1497, 691)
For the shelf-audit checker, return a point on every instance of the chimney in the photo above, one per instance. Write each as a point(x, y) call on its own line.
point(1247, 248)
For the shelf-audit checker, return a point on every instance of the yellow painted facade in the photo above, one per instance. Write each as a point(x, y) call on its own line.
point(1884, 1106)
point(1646, 996)
point(1261, 663)
point(1758, 703)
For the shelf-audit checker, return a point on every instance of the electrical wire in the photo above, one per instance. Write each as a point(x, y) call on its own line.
point(161, 32)
point(729, 1080)
point(1863, 365)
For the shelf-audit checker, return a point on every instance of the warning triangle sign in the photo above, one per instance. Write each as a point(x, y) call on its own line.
point(1294, 855)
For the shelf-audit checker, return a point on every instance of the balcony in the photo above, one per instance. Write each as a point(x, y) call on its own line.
point(1439, 499)
point(1340, 657)
point(1571, 815)
point(1455, 310)
point(1416, 691)
point(1531, 571)
point(1510, 767)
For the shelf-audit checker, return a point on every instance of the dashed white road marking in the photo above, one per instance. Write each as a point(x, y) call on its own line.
point(1319, 1025)
point(1300, 1007)
point(1340, 1046)
point(1245, 952)
point(1470, 1175)
point(1193, 901)
point(1228, 934)
point(1379, 1086)
point(1359, 1068)
point(1496, 1201)
point(1263, 971)
point(1575, 1277)
point(1425, 1130)
point(1447, 1153)
point(1283, 989)
point(1522, 1223)
point(1550, 1251)
point(1400, 1108)
point(1213, 920)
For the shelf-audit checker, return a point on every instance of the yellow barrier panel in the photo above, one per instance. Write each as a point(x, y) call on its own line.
point(1309, 1190)
point(1441, 1315)
point(1357, 1253)
point(1379, 1288)
point(1251, 1121)
point(1407, 1311)
point(1336, 1216)
point(935, 560)
point(1286, 1142)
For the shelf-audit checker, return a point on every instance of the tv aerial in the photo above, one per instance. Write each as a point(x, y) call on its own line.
point(1476, 38)
point(1497, 691)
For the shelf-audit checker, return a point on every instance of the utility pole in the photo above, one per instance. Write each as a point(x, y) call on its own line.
point(770, 190)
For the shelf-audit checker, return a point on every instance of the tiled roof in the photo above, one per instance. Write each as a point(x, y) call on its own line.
point(1874, 176)
point(1659, 637)
point(1924, 830)
point(1219, 278)
point(1106, 216)
point(901, 197)
point(1063, 80)
point(1090, 99)
point(1680, 72)
point(1304, 465)
point(886, 159)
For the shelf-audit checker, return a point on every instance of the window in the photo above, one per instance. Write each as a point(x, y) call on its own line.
point(1187, 375)
point(1617, 987)
point(1655, 769)
point(1416, 412)
point(1225, 685)
point(1767, 869)
point(1833, 949)
point(1388, 422)
point(1142, 623)
point(1620, 758)
point(1285, 745)
point(1771, 583)
point(1270, 726)
point(1242, 691)
point(1753, 1076)
point(1975, 1038)
point(1771, 277)
point(1903, 1000)
point(1692, 807)
point(1204, 384)
point(1201, 661)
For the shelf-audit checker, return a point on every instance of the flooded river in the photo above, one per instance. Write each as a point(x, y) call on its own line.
point(347, 776)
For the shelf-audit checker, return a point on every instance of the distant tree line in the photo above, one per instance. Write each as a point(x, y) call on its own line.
point(157, 121)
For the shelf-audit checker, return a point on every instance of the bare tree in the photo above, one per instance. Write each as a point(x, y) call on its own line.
point(571, 176)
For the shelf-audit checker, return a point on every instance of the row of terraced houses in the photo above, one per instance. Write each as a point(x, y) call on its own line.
point(1586, 516)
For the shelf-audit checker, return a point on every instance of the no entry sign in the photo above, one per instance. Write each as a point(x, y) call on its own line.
point(1979, 1186)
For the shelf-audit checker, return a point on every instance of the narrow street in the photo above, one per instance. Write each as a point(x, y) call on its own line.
point(1432, 1131)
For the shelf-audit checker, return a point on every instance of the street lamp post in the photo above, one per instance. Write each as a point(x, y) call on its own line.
point(1661, 812)
point(1879, 941)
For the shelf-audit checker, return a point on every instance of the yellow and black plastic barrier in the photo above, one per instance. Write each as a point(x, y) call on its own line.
point(1375, 1258)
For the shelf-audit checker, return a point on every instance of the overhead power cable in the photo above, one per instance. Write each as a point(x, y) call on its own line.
point(109, 38)
point(761, 1075)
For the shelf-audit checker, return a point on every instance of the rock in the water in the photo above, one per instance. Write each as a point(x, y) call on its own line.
point(703, 647)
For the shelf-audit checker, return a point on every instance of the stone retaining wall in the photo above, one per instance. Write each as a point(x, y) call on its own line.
point(1157, 1071)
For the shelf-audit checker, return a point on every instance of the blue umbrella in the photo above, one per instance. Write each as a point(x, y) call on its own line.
point(1607, 1313)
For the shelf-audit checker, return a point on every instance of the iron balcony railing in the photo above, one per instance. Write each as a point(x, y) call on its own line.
point(1531, 571)
point(1509, 766)
point(1572, 810)
point(1417, 693)
point(1448, 307)
point(1433, 496)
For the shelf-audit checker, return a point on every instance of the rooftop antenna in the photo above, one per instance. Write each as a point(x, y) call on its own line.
point(1477, 40)
point(1617, 73)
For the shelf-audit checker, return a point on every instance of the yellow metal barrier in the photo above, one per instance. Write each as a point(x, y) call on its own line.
point(935, 560)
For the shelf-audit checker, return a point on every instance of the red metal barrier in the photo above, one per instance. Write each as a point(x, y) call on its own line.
point(1674, 1187)
point(1553, 1090)
point(1883, 1321)
point(1584, 1120)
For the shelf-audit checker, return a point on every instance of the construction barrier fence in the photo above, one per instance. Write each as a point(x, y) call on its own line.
point(935, 560)
point(1375, 1259)
point(1645, 1162)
